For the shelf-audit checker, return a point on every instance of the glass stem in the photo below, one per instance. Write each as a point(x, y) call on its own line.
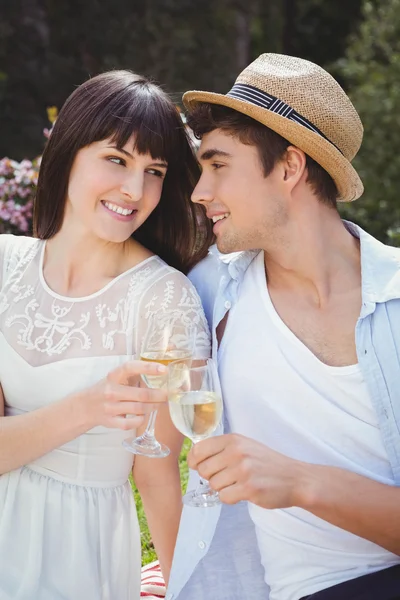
point(203, 487)
point(149, 433)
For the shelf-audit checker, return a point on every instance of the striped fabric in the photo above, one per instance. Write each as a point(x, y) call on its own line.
point(153, 586)
point(249, 93)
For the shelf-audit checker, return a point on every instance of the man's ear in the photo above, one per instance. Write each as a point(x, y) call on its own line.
point(294, 163)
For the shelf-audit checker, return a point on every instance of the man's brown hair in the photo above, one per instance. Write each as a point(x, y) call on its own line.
point(270, 145)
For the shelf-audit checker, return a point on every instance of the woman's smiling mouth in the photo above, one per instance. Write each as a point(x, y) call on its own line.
point(119, 212)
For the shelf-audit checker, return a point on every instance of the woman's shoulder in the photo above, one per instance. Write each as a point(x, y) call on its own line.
point(16, 243)
point(168, 282)
point(14, 248)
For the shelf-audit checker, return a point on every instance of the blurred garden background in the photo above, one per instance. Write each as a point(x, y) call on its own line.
point(48, 47)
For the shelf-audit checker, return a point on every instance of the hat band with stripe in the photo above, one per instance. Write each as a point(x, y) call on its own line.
point(249, 93)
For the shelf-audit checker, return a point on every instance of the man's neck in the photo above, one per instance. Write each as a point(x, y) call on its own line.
point(317, 257)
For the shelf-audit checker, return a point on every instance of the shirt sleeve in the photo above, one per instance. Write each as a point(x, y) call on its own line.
point(176, 305)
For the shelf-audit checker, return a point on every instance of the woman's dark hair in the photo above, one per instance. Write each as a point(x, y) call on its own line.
point(270, 145)
point(116, 105)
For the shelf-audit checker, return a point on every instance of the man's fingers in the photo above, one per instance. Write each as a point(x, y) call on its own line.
point(206, 449)
point(213, 465)
point(232, 494)
point(129, 372)
point(222, 479)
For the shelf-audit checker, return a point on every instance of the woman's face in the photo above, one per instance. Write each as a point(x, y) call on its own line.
point(111, 191)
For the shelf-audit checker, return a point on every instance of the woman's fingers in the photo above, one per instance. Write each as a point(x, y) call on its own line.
point(131, 422)
point(123, 394)
point(129, 373)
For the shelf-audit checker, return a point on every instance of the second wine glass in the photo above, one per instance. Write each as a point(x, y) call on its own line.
point(166, 340)
point(195, 406)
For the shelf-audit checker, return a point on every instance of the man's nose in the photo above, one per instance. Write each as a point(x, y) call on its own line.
point(202, 192)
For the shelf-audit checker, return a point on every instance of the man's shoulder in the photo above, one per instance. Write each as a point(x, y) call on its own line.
point(380, 264)
point(206, 277)
point(207, 273)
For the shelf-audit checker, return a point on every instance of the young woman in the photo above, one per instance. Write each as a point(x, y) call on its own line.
point(114, 230)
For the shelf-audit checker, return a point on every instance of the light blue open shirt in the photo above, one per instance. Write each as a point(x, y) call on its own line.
point(217, 556)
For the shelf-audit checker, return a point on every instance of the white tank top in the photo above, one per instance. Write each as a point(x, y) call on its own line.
point(279, 393)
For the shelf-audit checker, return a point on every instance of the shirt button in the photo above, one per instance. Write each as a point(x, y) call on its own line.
point(227, 304)
point(202, 545)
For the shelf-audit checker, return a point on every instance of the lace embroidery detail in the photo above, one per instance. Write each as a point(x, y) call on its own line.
point(187, 311)
point(53, 327)
point(15, 277)
point(121, 312)
point(110, 323)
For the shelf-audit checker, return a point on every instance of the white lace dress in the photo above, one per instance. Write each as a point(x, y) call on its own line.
point(68, 524)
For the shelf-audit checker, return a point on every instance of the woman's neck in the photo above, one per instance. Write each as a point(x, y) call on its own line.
point(80, 265)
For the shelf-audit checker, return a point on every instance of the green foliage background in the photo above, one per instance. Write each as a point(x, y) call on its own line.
point(371, 69)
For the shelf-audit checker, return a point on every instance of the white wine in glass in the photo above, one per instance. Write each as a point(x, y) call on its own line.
point(159, 381)
point(165, 341)
point(196, 414)
point(195, 406)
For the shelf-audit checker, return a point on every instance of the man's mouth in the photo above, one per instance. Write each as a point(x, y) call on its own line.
point(219, 217)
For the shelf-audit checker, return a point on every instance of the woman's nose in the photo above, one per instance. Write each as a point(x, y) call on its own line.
point(132, 186)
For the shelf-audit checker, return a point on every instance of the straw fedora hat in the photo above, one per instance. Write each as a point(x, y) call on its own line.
point(305, 105)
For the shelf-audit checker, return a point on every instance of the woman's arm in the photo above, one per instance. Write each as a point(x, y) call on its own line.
point(24, 438)
point(1, 402)
point(158, 482)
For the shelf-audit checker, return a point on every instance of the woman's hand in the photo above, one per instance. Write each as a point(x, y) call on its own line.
point(108, 402)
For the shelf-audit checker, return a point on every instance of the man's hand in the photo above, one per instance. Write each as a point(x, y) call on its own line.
point(240, 468)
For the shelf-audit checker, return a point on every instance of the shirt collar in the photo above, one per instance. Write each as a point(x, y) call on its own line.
point(380, 265)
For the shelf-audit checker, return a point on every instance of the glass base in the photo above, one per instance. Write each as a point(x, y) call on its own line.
point(146, 447)
point(200, 499)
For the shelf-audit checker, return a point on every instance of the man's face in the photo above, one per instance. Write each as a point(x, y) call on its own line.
point(248, 208)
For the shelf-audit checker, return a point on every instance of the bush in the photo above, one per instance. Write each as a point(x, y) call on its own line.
point(17, 188)
point(372, 70)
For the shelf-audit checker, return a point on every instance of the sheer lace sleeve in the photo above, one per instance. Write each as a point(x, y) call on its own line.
point(13, 248)
point(175, 302)
point(5, 247)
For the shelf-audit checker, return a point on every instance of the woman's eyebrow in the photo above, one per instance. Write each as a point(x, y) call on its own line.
point(155, 164)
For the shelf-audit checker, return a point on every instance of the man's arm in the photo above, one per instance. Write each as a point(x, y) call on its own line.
point(240, 468)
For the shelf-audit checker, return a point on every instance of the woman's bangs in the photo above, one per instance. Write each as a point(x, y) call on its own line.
point(157, 130)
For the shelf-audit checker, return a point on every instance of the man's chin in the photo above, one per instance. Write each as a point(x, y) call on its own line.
point(228, 246)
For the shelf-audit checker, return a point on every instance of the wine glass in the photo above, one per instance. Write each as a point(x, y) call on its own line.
point(167, 339)
point(195, 406)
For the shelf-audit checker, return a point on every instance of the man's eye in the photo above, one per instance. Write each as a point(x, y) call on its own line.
point(116, 160)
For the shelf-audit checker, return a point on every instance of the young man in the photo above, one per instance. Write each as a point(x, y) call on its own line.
point(306, 326)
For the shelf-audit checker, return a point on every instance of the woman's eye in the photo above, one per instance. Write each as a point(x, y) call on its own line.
point(116, 160)
point(216, 165)
point(156, 172)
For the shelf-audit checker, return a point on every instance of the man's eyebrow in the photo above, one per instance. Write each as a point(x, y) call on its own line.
point(213, 153)
point(155, 164)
